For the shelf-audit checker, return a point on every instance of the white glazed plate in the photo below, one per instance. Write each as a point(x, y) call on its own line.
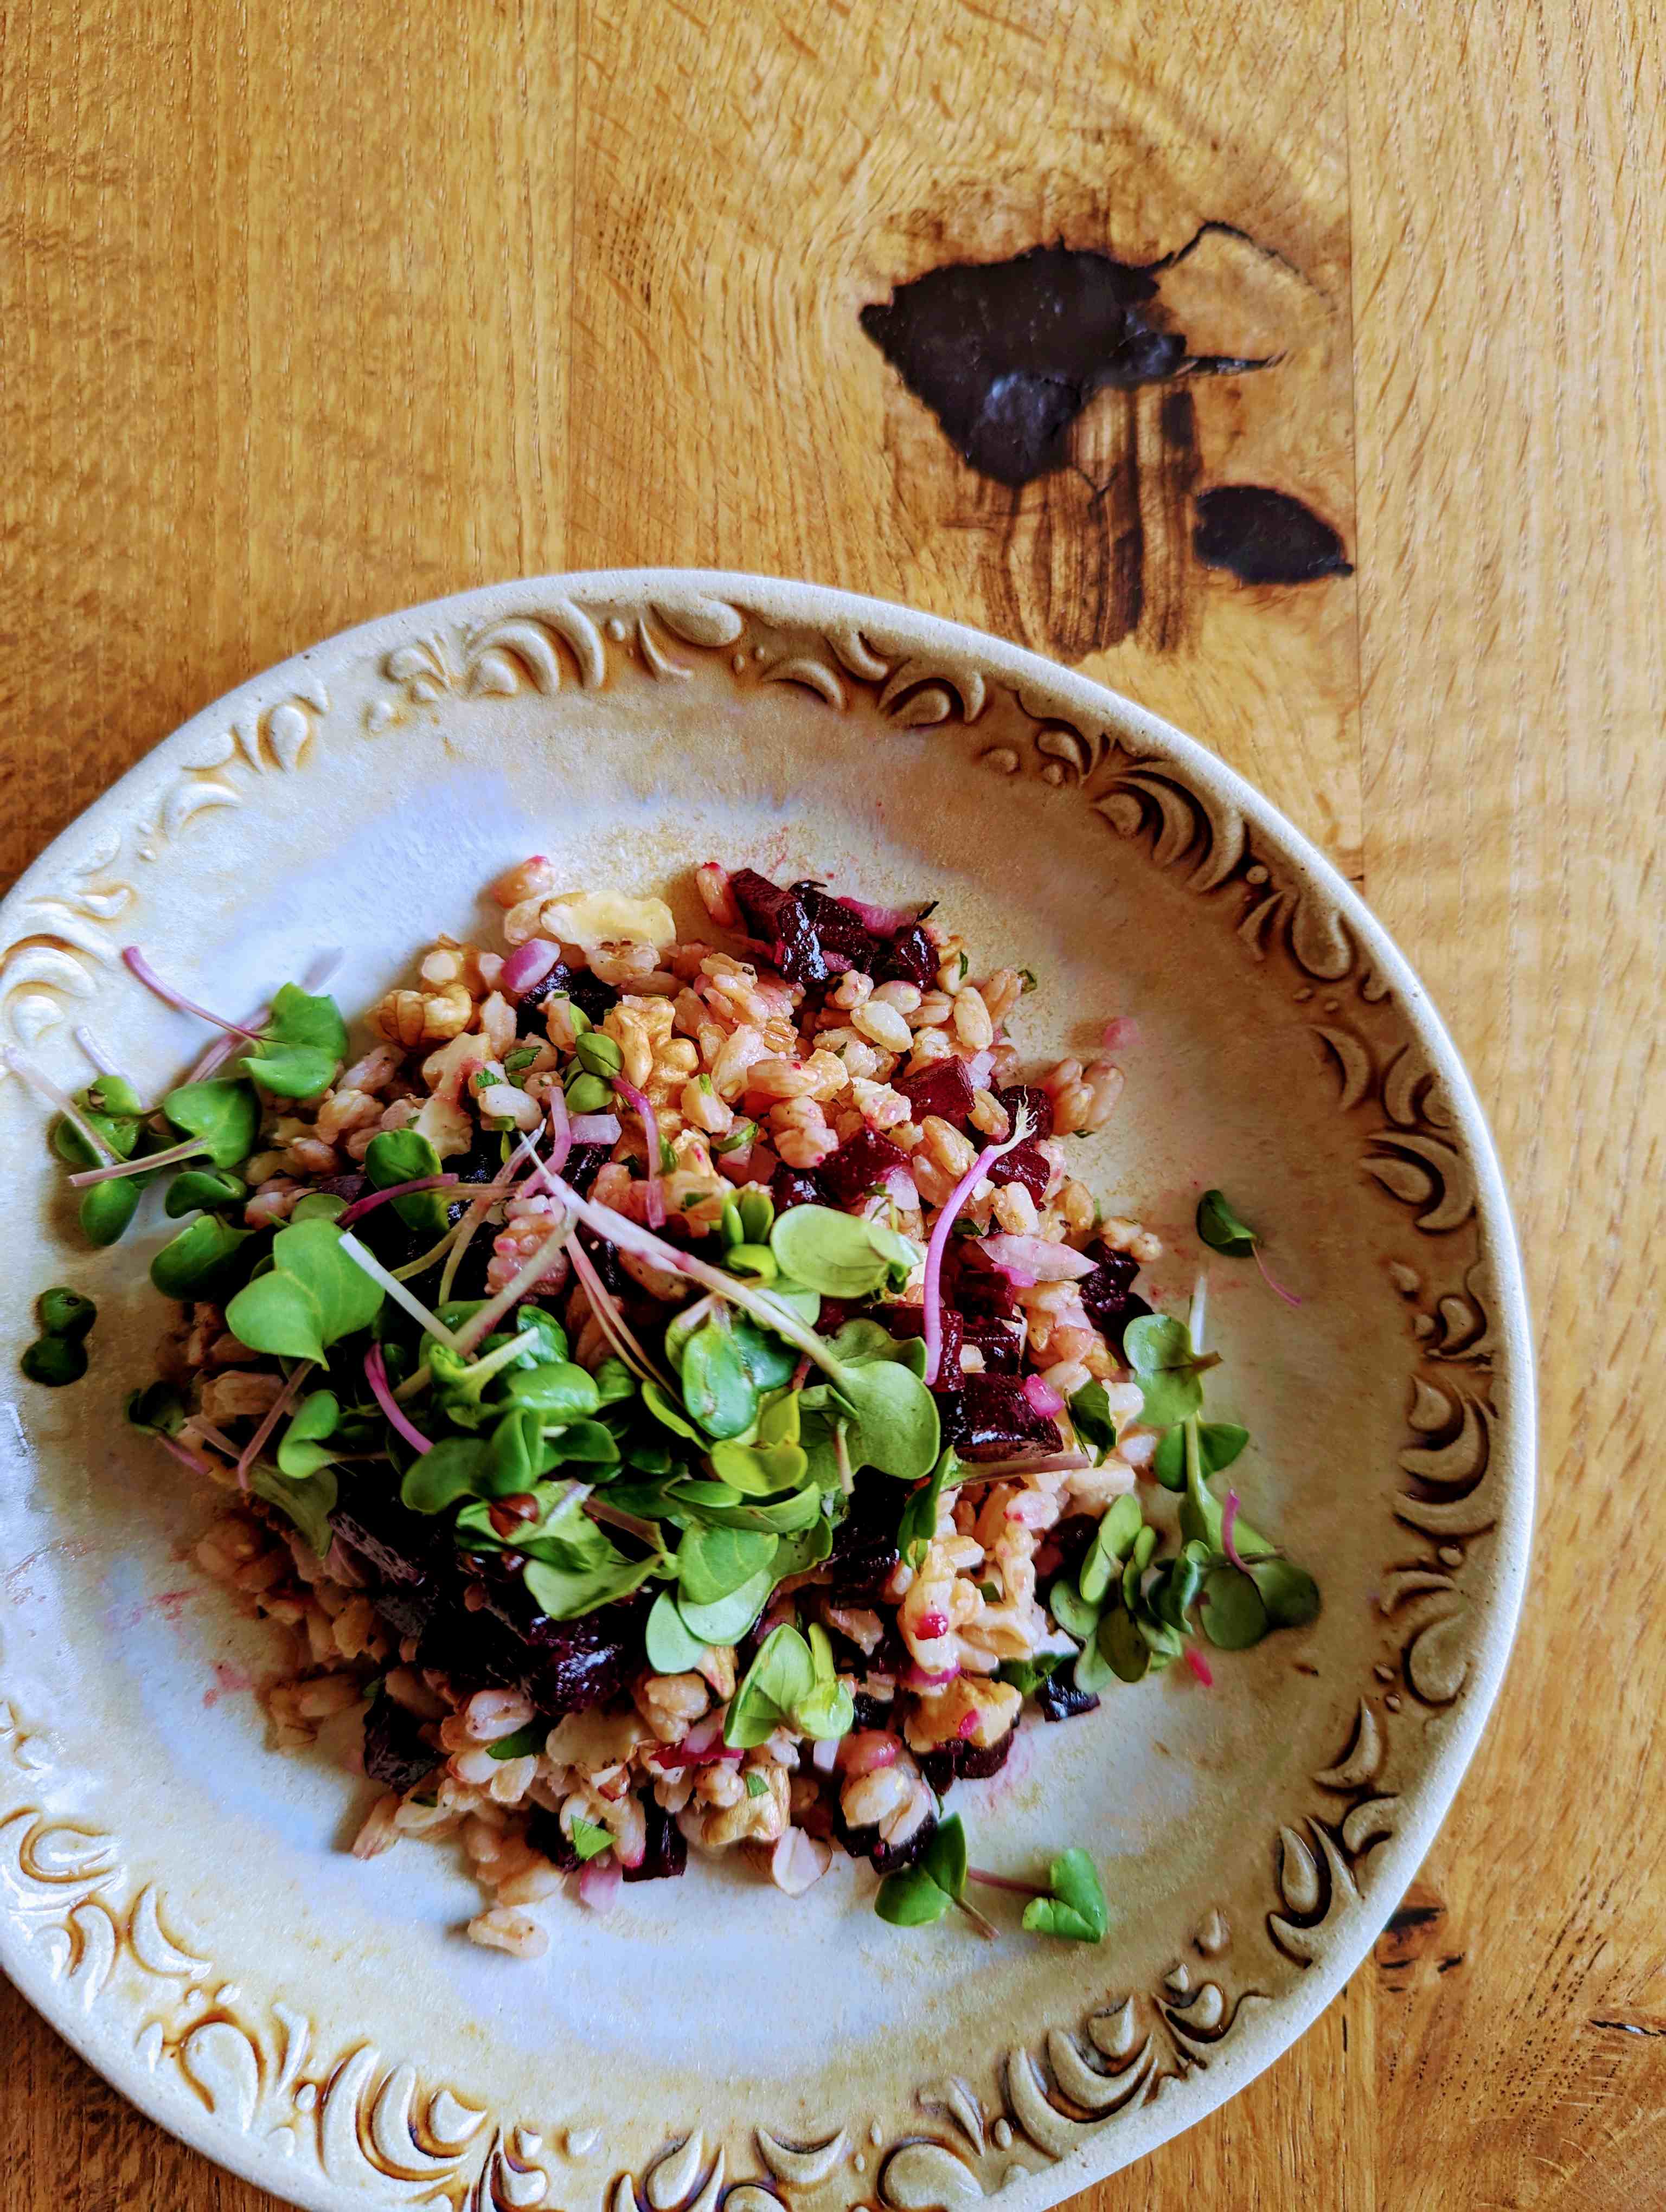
point(177, 1898)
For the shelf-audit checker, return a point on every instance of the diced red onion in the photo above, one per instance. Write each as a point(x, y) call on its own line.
point(981, 1066)
point(736, 1166)
point(1041, 1397)
point(526, 965)
point(637, 1102)
point(868, 1751)
point(1200, 1666)
point(1228, 1521)
point(825, 1752)
point(560, 1128)
point(599, 1883)
point(968, 1726)
point(595, 1129)
point(901, 1189)
point(760, 1164)
point(375, 1374)
point(375, 1198)
point(882, 920)
point(925, 1678)
point(1043, 1262)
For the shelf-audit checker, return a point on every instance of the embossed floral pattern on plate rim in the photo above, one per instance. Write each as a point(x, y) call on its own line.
point(356, 2130)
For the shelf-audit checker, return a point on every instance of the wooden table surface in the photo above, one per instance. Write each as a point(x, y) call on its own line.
point(309, 310)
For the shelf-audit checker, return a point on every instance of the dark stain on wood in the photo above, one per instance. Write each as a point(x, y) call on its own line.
point(1412, 1932)
point(1266, 537)
point(1063, 367)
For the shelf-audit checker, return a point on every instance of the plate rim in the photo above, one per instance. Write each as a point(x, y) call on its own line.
point(1429, 1795)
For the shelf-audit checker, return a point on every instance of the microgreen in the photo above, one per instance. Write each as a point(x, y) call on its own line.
point(1223, 1230)
point(204, 1190)
point(1076, 1910)
point(586, 1093)
point(65, 1313)
point(1091, 1416)
point(313, 1296)
point(919, 1522)
point(158, 1410)
point(224, 1115)
point(715, 1563)
point(756, 1784)
point(600, 1054)
point(1159, 1350)
point(396, 1156)
point(106, 1209)
point(726, 1619)
point(1219, 1444)
point(1027, 1676)
point(918, 1895)
point(203, 1260)
point(302, 1451)
point(839, 1254)
point(308, 1503)
point(302, 1044)
point(790, 1684)
point(671, 1647)
point(1113, 1541)
point(53, 1361)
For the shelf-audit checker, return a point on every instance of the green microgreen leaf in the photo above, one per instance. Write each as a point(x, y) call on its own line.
point(63, 1312)
point(302, 1450)
point(304, 1041)
point(395, 1156)
point(836, 1253)
point(1219, 1441)
point(559, 1391)
point(718, 1388)
point(713, 1564)
point(203, 1190)
point(756, 1784)
point(1220, 1228)
point(224, 1113)
point(107, 1208)
point(919, 1522)
point(202, 1260)
point(313, 1296)
point(1078, 1616)
point(672, 1648)
point(726, 1619)
point(1091, 1414)
point(898, 1426)
point(1113, 1541)
point(1233, 1614)
point(308, 1504)
point(525, 1743)
point(1076, 1911)
point(53, 1361)
point(1289, 1592)
point(456, 1467)
point(158, 1409)
point(1159, 1350)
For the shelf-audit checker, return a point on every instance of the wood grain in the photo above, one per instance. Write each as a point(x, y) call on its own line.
point(309, 312)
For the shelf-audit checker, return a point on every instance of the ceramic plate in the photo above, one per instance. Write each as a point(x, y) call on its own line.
point(176, 1898)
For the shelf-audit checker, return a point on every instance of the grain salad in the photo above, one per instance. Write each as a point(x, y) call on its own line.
point(675, 1392)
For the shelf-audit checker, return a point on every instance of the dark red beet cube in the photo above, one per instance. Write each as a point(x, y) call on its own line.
point(988, 1417)
point(1107, 1295)
point(861, 1165)
point(944, 1088)
point(1025, 1163)
point(910, 957)
point(791, 1187)
point(394, 1752)
point(666, 1850)
point(780, 919)
point(1038, 1102)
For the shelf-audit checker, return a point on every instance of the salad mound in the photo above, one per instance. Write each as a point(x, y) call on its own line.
point(676, 1391)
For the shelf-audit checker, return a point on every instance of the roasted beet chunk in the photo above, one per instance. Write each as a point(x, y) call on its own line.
point(1107, 1296)
point(999, 1346)
point(1025, 1163)
point(1060, 1700)
point(1038, 1102)
point(568, 1666)
point(905, 1321)
point(988, 1417)
point(394, 1752)
point(587, 992)
point(976, 1288)
point(884, 1858)
point(943, 1088)
point(910, 957)
point(583, 1162)
point(790, 1186)
point(861, 1165)
point(845, 940)
point(865, 1542)
point(965, 1762)
point(666, 1852)
point(780, 919)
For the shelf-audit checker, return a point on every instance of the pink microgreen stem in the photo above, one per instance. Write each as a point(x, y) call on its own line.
point(1200, 1666)
point(147, 1164)
point(42, 1084)
point(375, 1198)
point(94, 1051)
point(210, 1434)
point(932, 1297)
point(986, 1928)
point(1228, 1520)
point(608, 1319)
point(191, 1458)
point(139, 966)
point(285, 1399)
point(1005, 1881)
point(1271, 1281)
point(615, 1516)
point(375, 1374)
point(1001, 1470)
